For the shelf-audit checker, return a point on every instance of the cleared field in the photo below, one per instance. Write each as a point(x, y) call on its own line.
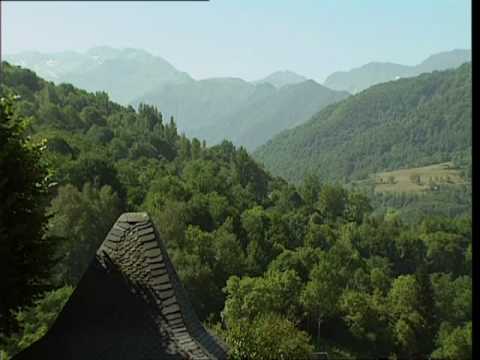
point(417, 179)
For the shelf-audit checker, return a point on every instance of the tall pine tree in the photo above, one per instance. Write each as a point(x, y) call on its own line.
point(25, 253)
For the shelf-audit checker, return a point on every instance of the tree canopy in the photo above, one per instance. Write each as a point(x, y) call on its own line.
point(281, 269)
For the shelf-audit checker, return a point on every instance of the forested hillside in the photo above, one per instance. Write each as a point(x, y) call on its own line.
point(258, 120)
point(204, 102)
point(214, 109)
point(405, 123)
point(290, 268)
point(239, 111)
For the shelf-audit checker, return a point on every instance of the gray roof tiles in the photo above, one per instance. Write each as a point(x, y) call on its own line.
point(129, 304)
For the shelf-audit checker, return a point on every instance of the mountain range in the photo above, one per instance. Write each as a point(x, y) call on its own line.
point(122, 73)
point(247, 113)
point(260, 118)
point(361, 78)
point(410, 122)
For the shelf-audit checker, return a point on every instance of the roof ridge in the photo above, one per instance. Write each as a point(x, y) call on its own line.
point(133, 262)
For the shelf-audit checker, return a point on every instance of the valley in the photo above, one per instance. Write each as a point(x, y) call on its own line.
point(406, 123)
point(344, 229)
point(214, 109)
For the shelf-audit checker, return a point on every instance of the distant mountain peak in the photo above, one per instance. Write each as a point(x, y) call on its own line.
point(107, 53)
point(445, 60)
point(281, 78)
point(124, 73)
point(231, 79)
point(372, 73)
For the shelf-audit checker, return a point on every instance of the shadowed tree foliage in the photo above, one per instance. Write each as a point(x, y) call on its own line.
point(25, 252)
point(82, 219)
point(34, 320)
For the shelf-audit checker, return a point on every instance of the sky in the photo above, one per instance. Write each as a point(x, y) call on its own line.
point(245, 38)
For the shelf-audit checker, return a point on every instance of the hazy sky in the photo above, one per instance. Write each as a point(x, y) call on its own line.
point(246, 38)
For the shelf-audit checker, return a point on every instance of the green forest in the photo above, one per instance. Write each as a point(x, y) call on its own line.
point(404, 123)
point(277, 269)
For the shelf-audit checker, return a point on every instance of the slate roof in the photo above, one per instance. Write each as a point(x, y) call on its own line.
point(129, 304)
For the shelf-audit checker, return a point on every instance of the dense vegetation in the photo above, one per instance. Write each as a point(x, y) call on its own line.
point(261, 118)
point(246, 114)
point(277, 270)
point(405, 123)
point(25, 251)
point(446, 200)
